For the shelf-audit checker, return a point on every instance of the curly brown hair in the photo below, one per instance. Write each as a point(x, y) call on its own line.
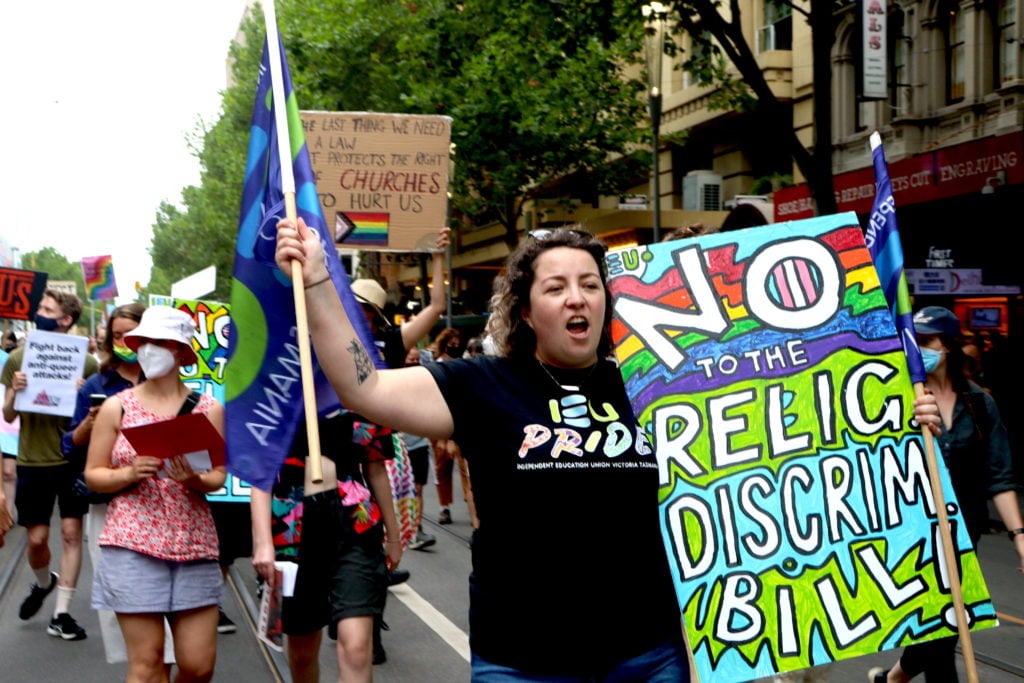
point(513, 338)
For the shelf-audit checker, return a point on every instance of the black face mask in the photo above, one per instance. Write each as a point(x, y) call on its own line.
point(46, 324)
point(452, 349)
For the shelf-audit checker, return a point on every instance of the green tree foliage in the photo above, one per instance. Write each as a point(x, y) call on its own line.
point(716, 32)
point(540, 100)
point(57, 268)
point(535, 89)
point(202, 232)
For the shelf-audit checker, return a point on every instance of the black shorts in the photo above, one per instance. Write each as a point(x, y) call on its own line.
point(234, 530)
point(39, 487)
point(341, 573)
point(420, 458)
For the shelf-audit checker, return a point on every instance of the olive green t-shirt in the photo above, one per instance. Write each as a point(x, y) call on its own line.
point(39, 439)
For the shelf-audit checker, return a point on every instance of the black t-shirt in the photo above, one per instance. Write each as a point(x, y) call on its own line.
point(569, 569)
point(391, 347)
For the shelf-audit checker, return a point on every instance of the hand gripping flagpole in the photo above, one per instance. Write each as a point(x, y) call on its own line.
point(313, 462)
point(887, 254)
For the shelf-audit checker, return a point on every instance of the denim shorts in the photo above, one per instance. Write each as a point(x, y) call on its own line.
point(129, 582)
point(667, 663)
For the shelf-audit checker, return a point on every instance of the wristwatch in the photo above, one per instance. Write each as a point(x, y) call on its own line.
point(1013, 533)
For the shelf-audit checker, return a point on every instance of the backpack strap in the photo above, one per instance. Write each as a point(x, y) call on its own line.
point(191, 401)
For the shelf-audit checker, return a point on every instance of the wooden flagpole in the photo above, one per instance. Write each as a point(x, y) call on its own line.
point(314, 464)
point(948, 550)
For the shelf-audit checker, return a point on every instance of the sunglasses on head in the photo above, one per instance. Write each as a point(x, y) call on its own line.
point(545, 233)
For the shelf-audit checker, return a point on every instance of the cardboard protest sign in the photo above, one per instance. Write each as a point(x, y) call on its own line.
point(796, 510)
point(382, 178)
point(53, 364)
point(20, 292)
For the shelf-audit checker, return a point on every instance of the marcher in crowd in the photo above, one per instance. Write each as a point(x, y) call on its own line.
point(119, 370)
point(46, 477)
point(339, 545)
point(419, 456)
point(393, 343)
point(528, 621)
point(975, 448)
point(159, 531)
point(447, 454)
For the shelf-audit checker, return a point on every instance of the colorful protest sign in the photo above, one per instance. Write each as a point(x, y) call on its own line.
point(382, 178)
point(20, 292)
point(98, 274)
point(207, 376)
point(764, 367)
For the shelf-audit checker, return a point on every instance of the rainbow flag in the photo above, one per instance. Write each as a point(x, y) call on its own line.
point(362, 228)
point(263, 390)
point(98, 274)
point(883, 240)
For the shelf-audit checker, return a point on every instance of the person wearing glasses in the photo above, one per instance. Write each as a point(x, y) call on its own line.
point(570, 579)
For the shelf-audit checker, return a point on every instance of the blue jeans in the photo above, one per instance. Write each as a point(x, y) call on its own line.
point(664, 664)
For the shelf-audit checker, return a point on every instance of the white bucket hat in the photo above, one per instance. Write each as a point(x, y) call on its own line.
point(164, 323)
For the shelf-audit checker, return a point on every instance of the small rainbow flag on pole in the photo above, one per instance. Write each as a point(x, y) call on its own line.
point(98, 274)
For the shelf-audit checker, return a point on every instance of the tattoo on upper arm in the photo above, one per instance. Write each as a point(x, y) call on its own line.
point(364, 366)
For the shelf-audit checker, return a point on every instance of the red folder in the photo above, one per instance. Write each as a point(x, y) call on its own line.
point(189, 433)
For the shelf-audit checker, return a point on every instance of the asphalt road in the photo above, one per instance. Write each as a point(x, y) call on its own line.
point(427, 642)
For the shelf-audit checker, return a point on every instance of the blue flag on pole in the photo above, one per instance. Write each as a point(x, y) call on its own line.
point(883, 240)
point(263, 387)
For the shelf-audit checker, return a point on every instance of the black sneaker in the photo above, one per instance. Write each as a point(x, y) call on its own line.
point(64, 626)
point(35, 598)
point(398, 576)
point(224, 624)
point(445, 517)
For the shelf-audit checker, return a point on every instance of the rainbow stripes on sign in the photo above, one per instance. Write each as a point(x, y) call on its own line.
point(362, 228)
point(98, 274)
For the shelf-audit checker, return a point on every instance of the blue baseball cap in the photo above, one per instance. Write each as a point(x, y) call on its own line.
point(936, 320)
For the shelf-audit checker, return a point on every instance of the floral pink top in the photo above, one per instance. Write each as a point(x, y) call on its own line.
point(160, 517)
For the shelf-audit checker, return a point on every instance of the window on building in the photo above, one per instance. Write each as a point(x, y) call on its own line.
point(899, 86)
point(777, 32)
point(956, 57)
point(1006, 44)
point(698, 57)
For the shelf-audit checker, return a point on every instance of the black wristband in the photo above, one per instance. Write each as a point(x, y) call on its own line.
point(1013, 533)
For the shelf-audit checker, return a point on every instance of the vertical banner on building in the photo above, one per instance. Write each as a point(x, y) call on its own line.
point(213, 330)
point(796, 510)
point(382, 178)
point(874, 56)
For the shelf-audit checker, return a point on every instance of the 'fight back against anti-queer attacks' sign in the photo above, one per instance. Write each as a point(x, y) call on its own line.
point(796, 509)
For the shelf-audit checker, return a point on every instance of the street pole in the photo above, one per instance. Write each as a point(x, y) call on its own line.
point(655, 167)
point(655, 14)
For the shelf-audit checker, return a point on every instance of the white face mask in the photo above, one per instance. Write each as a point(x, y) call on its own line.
point(156, 361)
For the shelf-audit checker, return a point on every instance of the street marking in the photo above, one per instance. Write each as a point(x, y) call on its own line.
point(438, 623)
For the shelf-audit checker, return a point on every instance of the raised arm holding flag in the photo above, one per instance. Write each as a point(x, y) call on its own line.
point(314, 500)
point(271, 365)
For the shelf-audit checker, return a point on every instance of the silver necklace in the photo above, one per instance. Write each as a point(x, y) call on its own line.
point(567, 387)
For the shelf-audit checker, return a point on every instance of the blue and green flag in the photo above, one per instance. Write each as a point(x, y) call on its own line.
point(883, 240)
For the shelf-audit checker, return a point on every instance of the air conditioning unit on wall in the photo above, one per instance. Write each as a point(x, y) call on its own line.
point(702, 191)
